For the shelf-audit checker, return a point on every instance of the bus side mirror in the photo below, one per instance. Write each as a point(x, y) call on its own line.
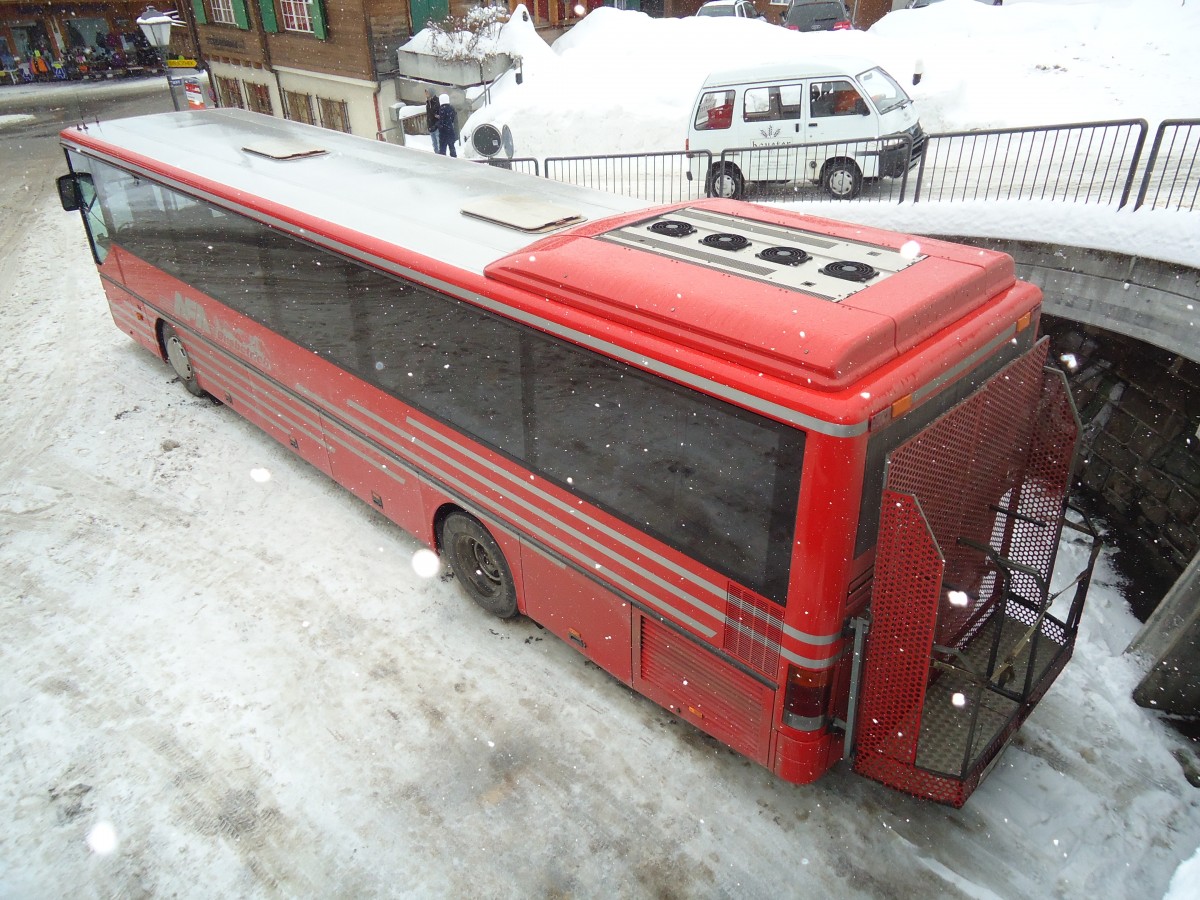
point(70, 194)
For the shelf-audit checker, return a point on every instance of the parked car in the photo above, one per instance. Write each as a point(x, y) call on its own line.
point(921, 4)
point(817, 15)
point(740, 9)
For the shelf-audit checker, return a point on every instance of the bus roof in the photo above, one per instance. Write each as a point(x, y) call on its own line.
point(723, 278)
point(402, 196)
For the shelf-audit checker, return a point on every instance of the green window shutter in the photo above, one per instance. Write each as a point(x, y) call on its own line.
point(239, 14)
point(198, 12)
point(316, 10)
point(269, 21)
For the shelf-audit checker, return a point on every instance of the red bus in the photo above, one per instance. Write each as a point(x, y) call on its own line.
point(801, 483)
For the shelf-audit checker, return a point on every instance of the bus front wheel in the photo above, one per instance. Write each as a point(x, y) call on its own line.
point(177, 357)
point(478, 563)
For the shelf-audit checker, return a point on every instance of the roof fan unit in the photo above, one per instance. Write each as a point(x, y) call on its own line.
point(725, 241)
point(673, 228)
point(785, 256)
point(849, 270)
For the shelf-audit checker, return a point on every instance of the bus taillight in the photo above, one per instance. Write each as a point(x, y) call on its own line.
point(807, 698)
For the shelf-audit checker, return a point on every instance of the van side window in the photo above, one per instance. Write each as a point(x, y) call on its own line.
point(770, 104)
point(836, 98)
point(715, 111)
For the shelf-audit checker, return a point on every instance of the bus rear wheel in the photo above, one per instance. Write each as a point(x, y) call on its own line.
point(177, 357)
point(479, 565)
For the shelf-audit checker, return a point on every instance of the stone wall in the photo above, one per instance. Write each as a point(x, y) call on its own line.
point(1140, 408)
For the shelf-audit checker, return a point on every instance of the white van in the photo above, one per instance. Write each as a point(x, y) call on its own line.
point(847, 107)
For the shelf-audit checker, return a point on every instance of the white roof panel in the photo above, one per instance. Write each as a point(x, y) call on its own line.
point(409, 198)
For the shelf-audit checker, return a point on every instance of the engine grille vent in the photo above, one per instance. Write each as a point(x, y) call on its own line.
point(850, 270)
point(725, 241)
point(673, 228)
point(787, 256)
point(809, 262)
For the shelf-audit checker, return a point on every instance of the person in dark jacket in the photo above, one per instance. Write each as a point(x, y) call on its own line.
point(447, 128)
point(431, 118)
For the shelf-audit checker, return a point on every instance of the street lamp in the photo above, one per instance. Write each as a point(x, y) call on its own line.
point(156, 26)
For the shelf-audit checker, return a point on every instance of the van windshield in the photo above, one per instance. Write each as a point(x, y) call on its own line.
point(885, 93)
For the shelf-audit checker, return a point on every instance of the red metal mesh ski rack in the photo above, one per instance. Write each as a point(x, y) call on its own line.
point(961, 645)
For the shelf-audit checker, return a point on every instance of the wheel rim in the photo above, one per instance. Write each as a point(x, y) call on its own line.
point(485, 573)
point(177, 356)
point(724, 186)
point(841, 182)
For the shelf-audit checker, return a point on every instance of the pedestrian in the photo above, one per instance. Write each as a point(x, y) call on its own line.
point(431, 118)
point(447, 129)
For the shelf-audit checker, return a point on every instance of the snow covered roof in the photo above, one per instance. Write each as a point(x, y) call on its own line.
point(733, 287)
point(406, 198)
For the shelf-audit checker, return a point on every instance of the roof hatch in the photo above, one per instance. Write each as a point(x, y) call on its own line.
point(282, 148)
point(522, 213)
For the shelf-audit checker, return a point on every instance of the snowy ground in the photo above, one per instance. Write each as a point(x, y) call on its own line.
point(219, 683)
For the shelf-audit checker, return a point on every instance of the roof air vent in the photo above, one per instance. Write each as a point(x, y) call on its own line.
point(785, 256)
point(723, 241)
point(849, 270)
point(673, 228)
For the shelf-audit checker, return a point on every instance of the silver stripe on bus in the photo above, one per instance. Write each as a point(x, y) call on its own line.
point(541, 534)
point(574, 554)
point(585, 519)
point(581, 518)
point(259, 398)
point(345, 442)
point(809, 663)
point(705, 385)
point(970, 362)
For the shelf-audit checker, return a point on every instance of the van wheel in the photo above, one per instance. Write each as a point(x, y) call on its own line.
point(479, 565)
point(726, 182)
point(842, 179)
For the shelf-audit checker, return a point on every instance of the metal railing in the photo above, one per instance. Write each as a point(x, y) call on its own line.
point(664, 177)
point(1089, 162)
point(1172, 176)
point(1095, 163)
point(527, 165)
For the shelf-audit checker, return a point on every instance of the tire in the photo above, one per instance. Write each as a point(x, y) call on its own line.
point(479, 565)
point(725, 181)
point(842, 179)
point(178, 359)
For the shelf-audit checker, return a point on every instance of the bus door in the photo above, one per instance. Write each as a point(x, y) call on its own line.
point(961, 643)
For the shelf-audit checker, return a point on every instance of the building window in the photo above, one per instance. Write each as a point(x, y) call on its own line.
point(335, 114)
point(298, 107)
point(222, 12)
point(258, 98)
point(229, 92)
point(296, 16)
